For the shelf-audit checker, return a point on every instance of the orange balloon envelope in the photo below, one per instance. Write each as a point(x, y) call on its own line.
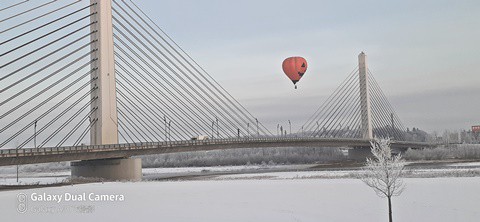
point(294, 68)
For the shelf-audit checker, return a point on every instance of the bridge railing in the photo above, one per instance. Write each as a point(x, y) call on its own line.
point(156, 145)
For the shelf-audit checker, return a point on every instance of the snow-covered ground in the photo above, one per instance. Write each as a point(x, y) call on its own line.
point(8, 174)
point(432, 199)
point(290, 175)
point(250, 193)
point(222, 168)
point(468, 164)
point(303, 171)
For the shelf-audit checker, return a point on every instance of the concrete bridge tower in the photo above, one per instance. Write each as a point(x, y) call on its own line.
point(105, 129)
point(365, 108)
point(360, 153)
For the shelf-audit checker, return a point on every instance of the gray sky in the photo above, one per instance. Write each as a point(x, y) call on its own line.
point(424, 54)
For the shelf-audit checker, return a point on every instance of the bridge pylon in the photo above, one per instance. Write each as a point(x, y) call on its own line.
point(358, 109)
point(105, 129)
point(365, 102)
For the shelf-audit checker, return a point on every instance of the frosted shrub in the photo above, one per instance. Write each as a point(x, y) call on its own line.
point(461, 151)
point(383, 172)
point(254, 156)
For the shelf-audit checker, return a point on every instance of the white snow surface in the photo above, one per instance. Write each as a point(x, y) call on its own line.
point(467, 164)
point(221, 168)
point(425, 199)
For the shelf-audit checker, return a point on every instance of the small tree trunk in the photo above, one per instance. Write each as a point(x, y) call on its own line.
point(390, 209)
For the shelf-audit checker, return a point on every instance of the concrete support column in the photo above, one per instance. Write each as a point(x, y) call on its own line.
point(366, 112)
point(109, 169)
point(105, 129)
point(359, 153)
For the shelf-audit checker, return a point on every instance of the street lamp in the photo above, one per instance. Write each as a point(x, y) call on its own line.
point(218, 134)
point(213, 125)
point(169, 130)
point(278, 126)
point(165, 121)
point(258, 135)
point(290, 123)
point(35, 134)
point(248, 130)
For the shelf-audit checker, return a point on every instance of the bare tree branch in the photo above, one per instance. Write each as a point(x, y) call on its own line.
point(383, 172)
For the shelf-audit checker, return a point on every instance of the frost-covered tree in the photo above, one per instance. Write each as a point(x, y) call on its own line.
point(383, 172)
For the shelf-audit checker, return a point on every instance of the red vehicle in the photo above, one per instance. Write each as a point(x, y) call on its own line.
point(476, 129)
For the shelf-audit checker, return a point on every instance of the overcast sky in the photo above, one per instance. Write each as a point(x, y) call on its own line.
point(424, 54)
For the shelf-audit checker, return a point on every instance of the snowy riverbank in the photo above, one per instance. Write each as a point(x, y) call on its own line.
point(433, 199)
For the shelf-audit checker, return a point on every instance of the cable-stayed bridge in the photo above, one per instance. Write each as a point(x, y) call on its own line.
point(358, 108)
point(89, 80)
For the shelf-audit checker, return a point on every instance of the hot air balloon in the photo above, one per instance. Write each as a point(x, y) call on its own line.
point(294, 68)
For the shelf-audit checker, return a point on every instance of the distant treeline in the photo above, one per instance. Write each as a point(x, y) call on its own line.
point(459, 151)
point(288, 155)
point(257, 156)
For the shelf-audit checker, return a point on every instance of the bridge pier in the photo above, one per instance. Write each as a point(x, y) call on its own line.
point(400, 151)
point(109, 169)
point(359, 153)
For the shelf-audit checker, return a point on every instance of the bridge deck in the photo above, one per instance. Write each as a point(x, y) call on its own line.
point(73, 153)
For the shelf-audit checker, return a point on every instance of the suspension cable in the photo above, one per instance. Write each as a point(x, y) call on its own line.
point(47, 88)
point(175, 104)
point(50, 43)
point(46, 24)
point(75, 128)
point(145, 106)
point(11, 6)
point(322, 107)
point(47, 77)
point(181, 93)
point(47, 34)
point(334, 103)
point(326, 106)
point(44, 114)
point(152, 94)
point(40, 16)
point(204, 71)
point(338, 105)
point(198, 94)
point(68, 121)
point(146, 127)
point(29, 10)
point(49, 65)
point(84, 133)
point(183, 65)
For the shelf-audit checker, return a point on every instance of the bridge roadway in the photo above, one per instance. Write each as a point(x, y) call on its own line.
point(92, 152)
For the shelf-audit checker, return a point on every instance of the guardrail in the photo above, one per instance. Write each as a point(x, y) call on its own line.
point(150, 145)
point(182, 143)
